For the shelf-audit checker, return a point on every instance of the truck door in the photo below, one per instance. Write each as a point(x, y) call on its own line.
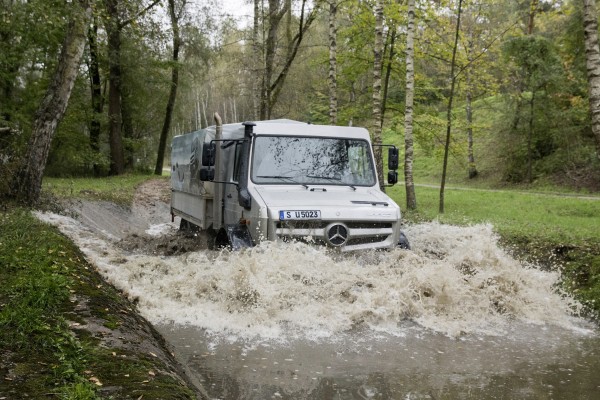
point(232, 210)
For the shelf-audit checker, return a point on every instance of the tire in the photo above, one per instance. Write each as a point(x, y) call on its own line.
point(403, 241)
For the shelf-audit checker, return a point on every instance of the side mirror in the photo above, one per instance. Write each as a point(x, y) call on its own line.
point(392, 177)
point(208, 154)
point(393, 158)
point(207, 174)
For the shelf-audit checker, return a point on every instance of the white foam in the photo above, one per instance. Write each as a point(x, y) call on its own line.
point(455, 281)
point(161, 229)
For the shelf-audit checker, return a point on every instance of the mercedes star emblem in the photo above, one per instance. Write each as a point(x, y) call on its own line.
point(337, 234)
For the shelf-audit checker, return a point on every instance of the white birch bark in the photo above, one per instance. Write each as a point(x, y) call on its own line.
point(592, 56)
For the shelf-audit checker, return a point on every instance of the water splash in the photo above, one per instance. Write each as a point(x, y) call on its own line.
point(456, 281)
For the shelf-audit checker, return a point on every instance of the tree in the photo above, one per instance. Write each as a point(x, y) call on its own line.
point(118, 112)
point(175, 16)
point(592, 57)
point(377, 119)
point(333, 7)
point(411, 199)
point(272, 82)
point(95, 90)
point(449, 111)
point(28, 181)
point(113, 31)
point(257, 55)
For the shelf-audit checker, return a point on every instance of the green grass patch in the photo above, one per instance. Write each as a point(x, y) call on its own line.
point(116, 189)
point(554, 217)
point(37, 266)
point(44, 282)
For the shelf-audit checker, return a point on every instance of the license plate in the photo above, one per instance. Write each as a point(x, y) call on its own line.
point(299, 214)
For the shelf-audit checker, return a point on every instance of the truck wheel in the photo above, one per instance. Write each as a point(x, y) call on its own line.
point(403, 241)
point(221, 240)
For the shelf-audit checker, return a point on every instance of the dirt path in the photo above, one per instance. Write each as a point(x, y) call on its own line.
point(145, 227)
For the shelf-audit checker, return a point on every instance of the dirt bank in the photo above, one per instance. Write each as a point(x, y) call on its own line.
point(125, 356)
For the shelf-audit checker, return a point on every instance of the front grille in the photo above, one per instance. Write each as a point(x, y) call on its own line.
point(366, 240)
point(362, 234)
point(302, 224)
point(322, 224)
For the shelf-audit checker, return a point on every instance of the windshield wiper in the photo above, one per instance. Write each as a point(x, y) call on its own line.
point(327, 178)
point(275, 177)
point(289, 178)
point(330, 178)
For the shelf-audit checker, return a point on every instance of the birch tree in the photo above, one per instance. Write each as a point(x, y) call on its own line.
point(377, 120)
point(592, 57)
point(28, 182)
point(411, 199)
point(333, 7)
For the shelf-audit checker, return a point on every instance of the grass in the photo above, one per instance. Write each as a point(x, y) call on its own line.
point(556, 218)
point(37, 276)
point(45, 280)
point(116, 189)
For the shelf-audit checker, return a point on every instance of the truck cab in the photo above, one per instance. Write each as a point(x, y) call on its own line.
point(284, 180)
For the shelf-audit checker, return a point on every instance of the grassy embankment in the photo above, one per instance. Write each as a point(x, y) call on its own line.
point(49, 293)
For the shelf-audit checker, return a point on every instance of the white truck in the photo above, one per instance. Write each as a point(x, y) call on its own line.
point(284, 180)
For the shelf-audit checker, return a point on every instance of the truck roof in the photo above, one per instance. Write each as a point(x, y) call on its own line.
point(287, 127)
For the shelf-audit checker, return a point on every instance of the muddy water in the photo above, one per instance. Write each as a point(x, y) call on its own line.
point(529, 362)
point(457, 317)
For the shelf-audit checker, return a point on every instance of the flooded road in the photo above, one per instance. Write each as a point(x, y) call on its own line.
point(456, 317)
point(531, 362)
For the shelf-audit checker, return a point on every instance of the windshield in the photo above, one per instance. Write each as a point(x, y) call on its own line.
point(312, 161)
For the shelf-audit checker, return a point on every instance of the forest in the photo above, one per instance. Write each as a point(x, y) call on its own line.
point(505, 93)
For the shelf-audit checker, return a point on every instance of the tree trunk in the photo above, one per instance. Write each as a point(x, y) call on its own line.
point(388, 70)
point(449, 113)
point(162, 144)
point(95, 91)
point(275, 16)
point(272, 86)
point(469, 109)
point(257, 83)
point(470, 152)
point(333, 102)
point(592, 56)
point(532, 11)
point(127, 130)
point(411, 198)
point(28, 182)
point(117, 161)
point(378, 50)
point(530, 138)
